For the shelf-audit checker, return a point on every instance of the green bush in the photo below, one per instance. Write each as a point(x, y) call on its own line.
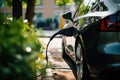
point(18, 49)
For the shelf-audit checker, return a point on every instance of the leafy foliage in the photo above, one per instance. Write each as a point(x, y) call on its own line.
point(19, 47)
point(67, 2)
point(63, 2)
point(38, 2)
point(78, 1)
point(9, 2)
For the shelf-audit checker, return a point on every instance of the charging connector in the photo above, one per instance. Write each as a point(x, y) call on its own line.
point(70, 31)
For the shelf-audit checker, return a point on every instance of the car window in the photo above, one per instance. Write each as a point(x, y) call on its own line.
point(100, 6)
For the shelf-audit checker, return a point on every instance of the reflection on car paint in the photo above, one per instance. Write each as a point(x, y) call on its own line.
point(113, 48)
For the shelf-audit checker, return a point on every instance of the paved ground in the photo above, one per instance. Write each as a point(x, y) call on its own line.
point(60, 70)
point(46, 33)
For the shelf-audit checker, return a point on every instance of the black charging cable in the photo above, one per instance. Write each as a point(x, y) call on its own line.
point(70, 31)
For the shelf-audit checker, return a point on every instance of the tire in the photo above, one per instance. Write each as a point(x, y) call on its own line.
point(82, 72)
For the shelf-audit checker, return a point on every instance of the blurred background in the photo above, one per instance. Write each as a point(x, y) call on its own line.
point(41, 13)
point(25, 29)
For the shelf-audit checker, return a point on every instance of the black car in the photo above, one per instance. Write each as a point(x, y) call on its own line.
point(94, 48)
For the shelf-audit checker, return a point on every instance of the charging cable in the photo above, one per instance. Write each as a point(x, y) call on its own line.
point(70, 31)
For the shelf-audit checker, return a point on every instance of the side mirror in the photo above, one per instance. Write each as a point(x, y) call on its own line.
point(68, 15)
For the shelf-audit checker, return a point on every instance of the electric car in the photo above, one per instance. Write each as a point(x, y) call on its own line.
point(95, 48)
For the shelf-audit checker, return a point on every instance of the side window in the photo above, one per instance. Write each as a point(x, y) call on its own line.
point(100, 6)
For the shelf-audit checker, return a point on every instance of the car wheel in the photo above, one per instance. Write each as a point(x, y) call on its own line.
point(79, 60)
point(81, 66)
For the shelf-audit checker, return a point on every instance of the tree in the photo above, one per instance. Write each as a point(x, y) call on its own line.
point(17, 8)
point(30, 11)
point(78, 1)
point(67, 2)
point(63, 3)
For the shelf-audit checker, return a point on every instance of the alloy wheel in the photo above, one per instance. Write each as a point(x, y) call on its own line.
point(79, 61)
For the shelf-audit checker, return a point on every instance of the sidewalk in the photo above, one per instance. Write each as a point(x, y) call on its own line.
point(47, 33)
point(59, 69)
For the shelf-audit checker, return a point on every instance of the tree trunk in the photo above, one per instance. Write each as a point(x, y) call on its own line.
point(30, 11)
point(17, 9)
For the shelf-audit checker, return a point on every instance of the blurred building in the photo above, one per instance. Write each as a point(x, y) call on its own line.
point(43, 9)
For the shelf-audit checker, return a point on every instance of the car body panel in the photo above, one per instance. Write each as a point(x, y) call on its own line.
point(101, 39)
point(102, 46)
